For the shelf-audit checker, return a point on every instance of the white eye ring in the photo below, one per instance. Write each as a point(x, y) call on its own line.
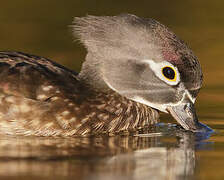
point(157, 68)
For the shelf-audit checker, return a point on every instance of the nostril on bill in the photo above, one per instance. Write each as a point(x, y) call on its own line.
point(188, 110)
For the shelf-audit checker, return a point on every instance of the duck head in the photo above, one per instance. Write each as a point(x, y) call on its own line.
point(142, 60)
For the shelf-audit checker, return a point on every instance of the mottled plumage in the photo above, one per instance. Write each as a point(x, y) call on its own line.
point(40, 97)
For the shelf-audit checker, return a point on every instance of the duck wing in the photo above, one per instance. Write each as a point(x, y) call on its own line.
point(35, 77)
point(38, 96)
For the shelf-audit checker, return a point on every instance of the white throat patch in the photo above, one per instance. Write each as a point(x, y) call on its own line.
point(163, 107)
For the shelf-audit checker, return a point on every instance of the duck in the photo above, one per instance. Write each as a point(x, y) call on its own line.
point(134, 68)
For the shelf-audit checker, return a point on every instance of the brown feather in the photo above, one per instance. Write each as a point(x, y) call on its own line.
point(40, 97)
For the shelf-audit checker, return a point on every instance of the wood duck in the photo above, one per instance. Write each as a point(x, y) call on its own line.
point(134, 68)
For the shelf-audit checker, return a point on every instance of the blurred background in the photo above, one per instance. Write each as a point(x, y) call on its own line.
point(41, 28)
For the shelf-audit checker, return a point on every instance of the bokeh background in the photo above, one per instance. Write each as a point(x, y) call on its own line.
point(41, 27)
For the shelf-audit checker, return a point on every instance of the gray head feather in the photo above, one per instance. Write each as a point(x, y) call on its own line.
point(124, 36)
point(115, 41)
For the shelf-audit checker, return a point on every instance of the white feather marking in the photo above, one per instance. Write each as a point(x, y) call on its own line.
point(54, 98)
point(47, 88)
point(24, 108)
point(10, 99)
point(157, 69)
point(131, 91)
point(41, 96)
point(65, 113)
point(163, 107)
point(72, 120)
point(70, 104)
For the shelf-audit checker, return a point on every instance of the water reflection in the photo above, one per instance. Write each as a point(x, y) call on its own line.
point(170, 156)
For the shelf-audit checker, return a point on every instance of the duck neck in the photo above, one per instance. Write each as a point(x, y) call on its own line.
point(91, 75)
point(108, 111)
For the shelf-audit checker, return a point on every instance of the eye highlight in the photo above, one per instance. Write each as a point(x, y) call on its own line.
point(169, 73)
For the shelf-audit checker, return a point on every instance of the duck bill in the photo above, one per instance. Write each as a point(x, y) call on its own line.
point(185, 115)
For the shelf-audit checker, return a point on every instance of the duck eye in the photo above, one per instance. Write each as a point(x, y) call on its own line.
point(169, 73)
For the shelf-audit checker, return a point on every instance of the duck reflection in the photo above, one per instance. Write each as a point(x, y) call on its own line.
point(159, 156)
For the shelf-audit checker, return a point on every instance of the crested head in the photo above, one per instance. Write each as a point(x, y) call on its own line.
point(116, 39)
point(141, 60)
